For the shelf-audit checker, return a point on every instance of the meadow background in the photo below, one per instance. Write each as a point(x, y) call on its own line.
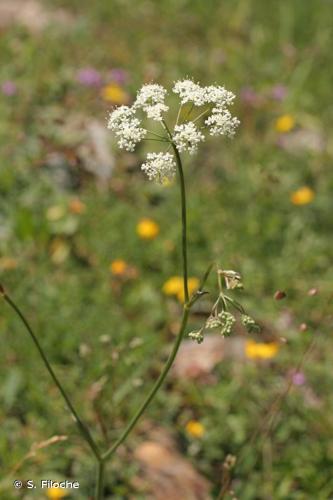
point(79, 256)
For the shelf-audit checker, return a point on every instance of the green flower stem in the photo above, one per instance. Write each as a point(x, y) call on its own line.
point(81, 426)
point(184, 220)
point(186, 311)
point(100, 480)
point(183, 208)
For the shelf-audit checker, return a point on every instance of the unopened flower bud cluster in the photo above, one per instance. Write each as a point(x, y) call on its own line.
point(220, 317)
point(213, 101)
point(224, 320)
point(197, 335)
point(250, 324)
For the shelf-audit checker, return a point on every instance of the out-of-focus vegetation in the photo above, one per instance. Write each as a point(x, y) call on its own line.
point(91, 281)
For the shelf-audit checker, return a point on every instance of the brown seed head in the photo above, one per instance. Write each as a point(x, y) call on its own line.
point(279, 295)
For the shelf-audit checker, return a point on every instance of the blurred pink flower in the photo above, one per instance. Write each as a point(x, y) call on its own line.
point(119, 76)
point(8, 88)
point(279, 92)
point(298, 378)
point(89, 77)
point(249, 96)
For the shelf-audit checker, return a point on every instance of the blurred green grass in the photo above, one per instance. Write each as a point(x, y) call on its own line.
point(240, 214)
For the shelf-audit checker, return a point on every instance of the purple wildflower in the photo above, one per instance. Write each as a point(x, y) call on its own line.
point(89, 77)
point(298, 378)
point(119, 76)
point(249, 96)
point(279, 92)
point(8, 88)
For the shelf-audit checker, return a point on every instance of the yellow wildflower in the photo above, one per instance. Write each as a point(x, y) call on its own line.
point(115, 94)
point(76, 206)
point(195, 429)
point(192, 284)
point(147, 229)
point(118, 267)
point(261, 350)
point(56, 493)
point(173, 285)
point(8, 263)
point(302, 196)
point(285, 123)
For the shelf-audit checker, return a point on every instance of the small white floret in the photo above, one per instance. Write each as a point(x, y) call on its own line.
point(159, 167)
point(126, 128)
point(189, 91)
point(150, 99)
point(222, 123)
point(187, 137)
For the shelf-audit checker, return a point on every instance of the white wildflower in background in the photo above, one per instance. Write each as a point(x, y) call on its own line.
point(159, 167)
point(213, 116)
point(187, 137)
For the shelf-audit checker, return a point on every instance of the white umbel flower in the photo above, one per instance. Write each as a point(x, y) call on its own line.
point(127, 125)
point(219, 96)
point(189, 91)
point(222, 123)
point(119, 115)
point(187, 137)
point(150, 99)
point(155, 112)
point(159, 167)
point(126, 128)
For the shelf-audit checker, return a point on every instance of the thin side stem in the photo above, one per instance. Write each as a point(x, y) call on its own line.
point(178, 114)
point(201, 114)
point(225, 487)
point(81, 426)
point(154, 389)
point(157, 135)
point(153, 139)
point(189, 111)
point(101, 458)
